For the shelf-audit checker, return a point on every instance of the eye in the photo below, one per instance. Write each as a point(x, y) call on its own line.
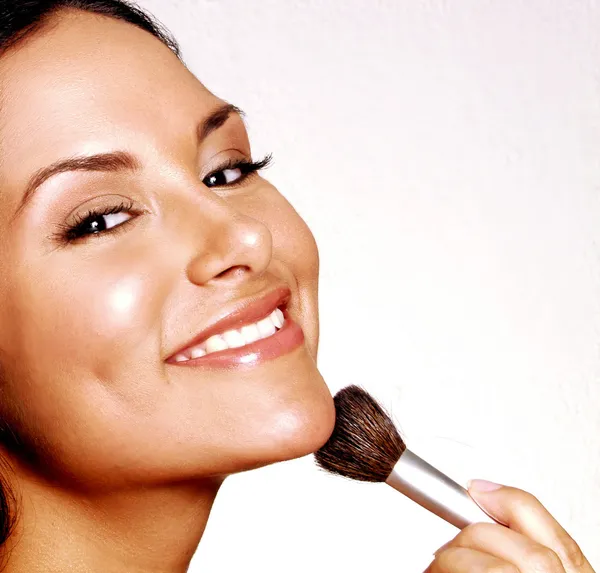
point(235, 171)
point(223, 177)
point(97, 221)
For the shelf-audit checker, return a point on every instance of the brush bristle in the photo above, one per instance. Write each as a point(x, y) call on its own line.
point(365, 444)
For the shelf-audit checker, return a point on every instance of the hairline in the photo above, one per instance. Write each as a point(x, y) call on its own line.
point(51, 19)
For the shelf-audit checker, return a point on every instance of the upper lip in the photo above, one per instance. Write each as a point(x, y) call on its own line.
point(245, 312)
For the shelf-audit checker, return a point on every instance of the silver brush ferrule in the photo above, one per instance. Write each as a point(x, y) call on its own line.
point(433, 490)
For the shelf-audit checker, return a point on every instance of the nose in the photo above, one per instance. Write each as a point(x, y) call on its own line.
point(236, 245)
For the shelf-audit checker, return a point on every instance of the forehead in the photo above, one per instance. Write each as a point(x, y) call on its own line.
point(88, 82)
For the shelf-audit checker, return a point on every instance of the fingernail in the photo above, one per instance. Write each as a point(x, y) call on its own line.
point(483, 486)
point(445, 546)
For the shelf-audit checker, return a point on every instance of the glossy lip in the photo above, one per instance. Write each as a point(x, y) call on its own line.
point(283, 341)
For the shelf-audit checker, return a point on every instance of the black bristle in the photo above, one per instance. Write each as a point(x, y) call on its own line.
point(365, 444)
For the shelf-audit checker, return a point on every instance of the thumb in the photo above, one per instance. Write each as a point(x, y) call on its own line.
point(524, 513)
point(489, 497)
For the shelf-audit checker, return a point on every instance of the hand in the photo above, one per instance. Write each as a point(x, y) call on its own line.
point(531, 542)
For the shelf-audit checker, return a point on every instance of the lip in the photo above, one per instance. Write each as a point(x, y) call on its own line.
point(283, 341)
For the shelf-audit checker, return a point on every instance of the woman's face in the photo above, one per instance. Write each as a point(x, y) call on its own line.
point(106, 274)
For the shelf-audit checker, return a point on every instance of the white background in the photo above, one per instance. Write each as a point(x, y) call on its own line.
point(446, 156)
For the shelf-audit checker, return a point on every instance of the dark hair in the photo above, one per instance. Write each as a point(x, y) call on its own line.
point(19, 20)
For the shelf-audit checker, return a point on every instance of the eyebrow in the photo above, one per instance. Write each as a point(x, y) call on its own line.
point(117, 161)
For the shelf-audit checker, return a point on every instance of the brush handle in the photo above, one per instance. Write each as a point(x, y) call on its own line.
point(435, 491)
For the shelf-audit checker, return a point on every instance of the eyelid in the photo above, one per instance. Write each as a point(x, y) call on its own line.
point(218, 161)
point(98, 202)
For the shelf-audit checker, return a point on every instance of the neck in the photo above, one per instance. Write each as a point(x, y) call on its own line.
point(146, 530)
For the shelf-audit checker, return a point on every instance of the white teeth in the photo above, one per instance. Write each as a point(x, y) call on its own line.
point(266, 327)
point(197, 352)
point(215, 343)
point(234, 339)
point(277, 318)
point(250, 333)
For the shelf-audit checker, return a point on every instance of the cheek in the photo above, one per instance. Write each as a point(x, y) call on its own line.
point(84, 346)
point(91, 318)
point(295, 253)
point(122, 303)
point(99, 313)
point(293, 242)
point(296, 249)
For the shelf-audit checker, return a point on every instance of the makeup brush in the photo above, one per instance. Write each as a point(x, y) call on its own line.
point(366, 446)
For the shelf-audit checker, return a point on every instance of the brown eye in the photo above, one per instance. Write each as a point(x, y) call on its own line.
point(223, 177)
point(234, 172)
point(100, 223)
point(97, 222)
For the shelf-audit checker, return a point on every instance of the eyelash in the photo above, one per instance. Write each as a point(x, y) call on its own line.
point(246, 167)
point(71, 232)
point(74, 231)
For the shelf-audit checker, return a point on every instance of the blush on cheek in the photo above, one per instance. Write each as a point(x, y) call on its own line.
point(124, 314)
point(117, 328)
point(117, 316)
point(122, 302)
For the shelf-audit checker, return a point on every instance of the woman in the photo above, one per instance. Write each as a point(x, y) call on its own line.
point(159, 309)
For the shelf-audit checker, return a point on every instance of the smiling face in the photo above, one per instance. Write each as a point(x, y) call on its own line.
point(106, 274)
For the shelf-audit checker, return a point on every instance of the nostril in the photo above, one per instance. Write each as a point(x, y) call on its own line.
point(233, 272)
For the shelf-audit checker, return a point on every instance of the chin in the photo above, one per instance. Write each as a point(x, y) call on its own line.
point(305, 418)
point(304, 429)
point(291, 428)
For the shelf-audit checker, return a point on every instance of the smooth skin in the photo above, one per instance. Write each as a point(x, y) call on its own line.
point(120, 454)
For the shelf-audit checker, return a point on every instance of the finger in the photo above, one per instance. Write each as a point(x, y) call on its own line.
point(527, 555)
point(461, 560)
point(522, 512)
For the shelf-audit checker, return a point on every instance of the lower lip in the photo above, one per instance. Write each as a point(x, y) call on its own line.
point(289, 337)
